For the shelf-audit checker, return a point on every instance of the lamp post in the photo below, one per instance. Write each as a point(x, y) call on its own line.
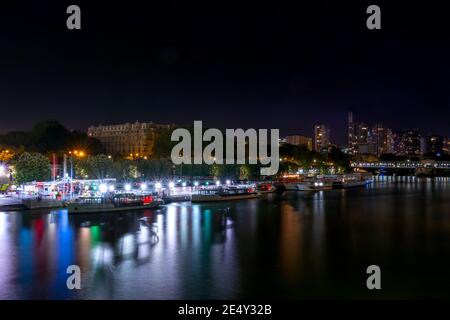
point(71, 174)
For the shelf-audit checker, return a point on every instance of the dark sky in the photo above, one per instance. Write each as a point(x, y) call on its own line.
point(276, 64)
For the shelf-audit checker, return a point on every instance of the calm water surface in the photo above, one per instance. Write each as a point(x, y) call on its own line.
point(306, 246)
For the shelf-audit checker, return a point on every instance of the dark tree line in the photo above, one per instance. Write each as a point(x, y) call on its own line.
point(51, 136)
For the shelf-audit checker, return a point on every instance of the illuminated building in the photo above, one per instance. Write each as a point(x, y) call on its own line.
point(382, 139)
point(299, 140)
point(407, 143)
point(321, 137)
point(366, 139)
point(359, 141)
point(128, 139)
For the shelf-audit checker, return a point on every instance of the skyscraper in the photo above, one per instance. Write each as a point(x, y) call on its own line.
point(351, 134)
point(382, 139)
point(358, 137)
point(321, 137)
point(366, 139)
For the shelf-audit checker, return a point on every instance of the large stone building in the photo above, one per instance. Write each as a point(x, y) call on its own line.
point(128, 139)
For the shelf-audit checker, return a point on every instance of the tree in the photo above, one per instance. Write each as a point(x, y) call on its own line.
point(125, 170)
point(339, 158)
point(162, 147)
point(48, 136)
point(81, 141)
point(51, 136)
point(99, 167)
point(154, 169)
point(31, 167)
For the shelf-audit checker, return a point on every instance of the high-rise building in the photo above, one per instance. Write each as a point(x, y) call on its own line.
point(366, 139)
point(351, 134)
point(321, 137)
point(407, 143)
point(299, 140)
point(359, 141)
point(382, 139)
point(128, 139)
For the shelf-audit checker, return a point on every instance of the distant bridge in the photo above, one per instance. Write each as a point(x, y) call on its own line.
point(402, 165)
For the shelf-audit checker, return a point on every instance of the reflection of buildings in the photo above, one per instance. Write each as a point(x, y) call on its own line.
point(128, 139)
point(298, 140)
point(321, 137)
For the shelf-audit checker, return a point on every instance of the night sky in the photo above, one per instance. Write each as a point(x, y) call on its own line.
point(276, 64)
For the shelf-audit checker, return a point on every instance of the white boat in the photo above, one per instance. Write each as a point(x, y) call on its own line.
point(350, 181)
point(224, 194)
point(120, 202)
point(306, 184)
point(315, 185)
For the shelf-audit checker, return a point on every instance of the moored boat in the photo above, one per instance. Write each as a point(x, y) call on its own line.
point(350, 181)
point(314, 185)
point(118, 202)
point(265, 187)
point(224, 194)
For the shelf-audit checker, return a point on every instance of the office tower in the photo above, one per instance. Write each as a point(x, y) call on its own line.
point(321, 137)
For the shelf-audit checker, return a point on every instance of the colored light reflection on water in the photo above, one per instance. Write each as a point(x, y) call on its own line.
point(310, 245)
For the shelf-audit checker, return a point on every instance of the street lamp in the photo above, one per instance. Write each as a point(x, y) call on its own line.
point(103, 188)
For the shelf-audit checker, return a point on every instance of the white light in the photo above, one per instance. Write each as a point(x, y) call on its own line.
point(171, 185)
point(228, 182)
point(127, 187)
point(158, 185)
point(196, 183)
point(111, 188)
point(2, 169)
point(143, 186)
point(217, 183)
point(183, 184)
point(103, 188)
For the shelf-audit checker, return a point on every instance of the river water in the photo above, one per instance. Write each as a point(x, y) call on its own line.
point(309, 245)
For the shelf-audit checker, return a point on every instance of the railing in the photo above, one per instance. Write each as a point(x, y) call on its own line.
point(402, 165)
